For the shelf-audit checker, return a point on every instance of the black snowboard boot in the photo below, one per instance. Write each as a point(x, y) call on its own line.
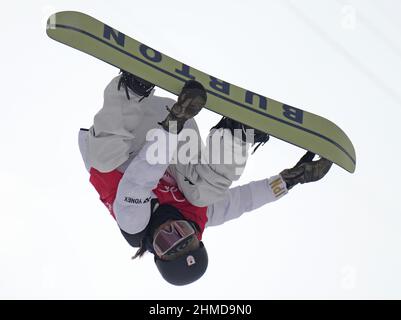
point(259, 137)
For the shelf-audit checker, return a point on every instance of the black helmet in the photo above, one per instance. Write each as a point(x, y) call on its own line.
point(186, 268)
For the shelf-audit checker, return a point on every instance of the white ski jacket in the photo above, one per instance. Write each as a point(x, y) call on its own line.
point(132, 206)
point(120, 144)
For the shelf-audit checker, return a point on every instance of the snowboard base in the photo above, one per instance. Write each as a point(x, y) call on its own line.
point(285, 122)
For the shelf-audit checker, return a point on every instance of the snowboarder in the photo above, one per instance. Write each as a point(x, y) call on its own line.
point(163, 207)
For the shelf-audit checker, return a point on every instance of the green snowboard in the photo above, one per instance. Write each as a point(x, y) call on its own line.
point(293, 125)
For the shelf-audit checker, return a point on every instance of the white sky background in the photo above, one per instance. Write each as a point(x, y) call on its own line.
point(338, 238)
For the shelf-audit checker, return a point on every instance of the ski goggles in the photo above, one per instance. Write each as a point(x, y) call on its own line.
point(168, 242)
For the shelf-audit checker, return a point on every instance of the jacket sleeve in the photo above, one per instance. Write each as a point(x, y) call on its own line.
point(245, 198)
point(132, 203)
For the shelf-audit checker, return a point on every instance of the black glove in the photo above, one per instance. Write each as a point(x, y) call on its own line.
point(306, 170)
point(190, 101)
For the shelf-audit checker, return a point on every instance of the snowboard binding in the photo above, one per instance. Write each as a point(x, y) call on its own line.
point(258, 137)
point(138, 85)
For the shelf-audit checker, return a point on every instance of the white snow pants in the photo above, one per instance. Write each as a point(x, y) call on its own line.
point(119, 132)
